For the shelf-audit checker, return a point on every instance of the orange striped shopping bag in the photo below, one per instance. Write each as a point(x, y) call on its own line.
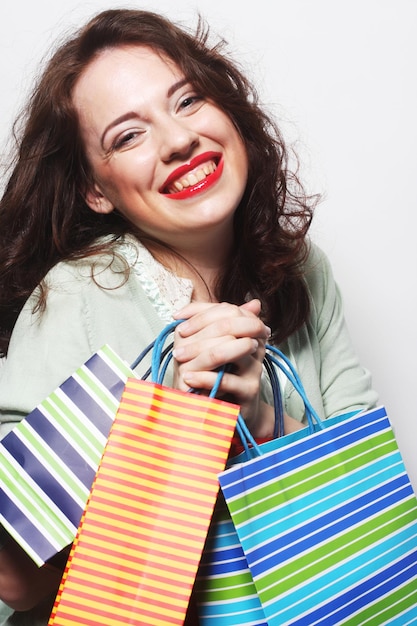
point(139, 544)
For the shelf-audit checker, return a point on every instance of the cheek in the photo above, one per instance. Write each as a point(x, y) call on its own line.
point(114, 177)
point(241, 158)
point(236, 143)
point(132, 170)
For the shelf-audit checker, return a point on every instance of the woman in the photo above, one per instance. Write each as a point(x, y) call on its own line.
point(149, 185)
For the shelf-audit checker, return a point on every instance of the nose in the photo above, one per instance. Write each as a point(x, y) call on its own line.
point(177, 139)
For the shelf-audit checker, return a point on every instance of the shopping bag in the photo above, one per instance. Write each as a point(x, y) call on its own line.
point(49, 460)
point(224, 589)
point(137, 551)
point(327, 520)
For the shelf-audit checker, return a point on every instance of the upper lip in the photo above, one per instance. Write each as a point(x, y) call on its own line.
point(185, 169)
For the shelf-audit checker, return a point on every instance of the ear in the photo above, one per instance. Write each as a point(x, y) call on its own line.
point(97, 201)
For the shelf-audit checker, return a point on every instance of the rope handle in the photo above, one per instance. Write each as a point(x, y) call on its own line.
point(285, 365)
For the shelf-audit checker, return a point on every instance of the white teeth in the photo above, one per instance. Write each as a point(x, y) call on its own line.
point(178, 186)
point(193, 178)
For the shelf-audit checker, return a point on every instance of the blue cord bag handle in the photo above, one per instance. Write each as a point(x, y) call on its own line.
point(161, 355)
point(276, 357)
point(284, 363)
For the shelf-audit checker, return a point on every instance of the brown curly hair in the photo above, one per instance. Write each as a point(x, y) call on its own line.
point(44, 217)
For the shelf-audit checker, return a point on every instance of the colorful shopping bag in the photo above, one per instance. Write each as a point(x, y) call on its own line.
point(137, 551)
point(224, 590)
point(328, 523)
point(49, 460)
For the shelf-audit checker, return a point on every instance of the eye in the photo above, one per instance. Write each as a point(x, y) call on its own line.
point(191, 100)
point(125, 140)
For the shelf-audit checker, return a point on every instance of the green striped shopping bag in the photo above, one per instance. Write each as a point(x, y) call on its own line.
point(49, 460)
point(327, 521)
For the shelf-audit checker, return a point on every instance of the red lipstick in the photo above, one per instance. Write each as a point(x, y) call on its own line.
point(184, 170)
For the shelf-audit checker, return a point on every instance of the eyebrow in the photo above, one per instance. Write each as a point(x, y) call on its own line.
point(132, 114)
point(177, 86)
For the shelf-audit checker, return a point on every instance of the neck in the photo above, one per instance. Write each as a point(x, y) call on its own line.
point(202, 264)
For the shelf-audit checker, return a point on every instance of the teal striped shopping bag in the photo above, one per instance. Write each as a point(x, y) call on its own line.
point(327, 521)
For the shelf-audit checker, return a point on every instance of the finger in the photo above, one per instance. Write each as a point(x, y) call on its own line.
point(224, 321)
point(203, 316)
point(193, 309)
point(254, 306)
point(240, 388)
point(217, 309)
point(209, 355)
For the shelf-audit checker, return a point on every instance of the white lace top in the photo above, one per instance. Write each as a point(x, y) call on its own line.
point(166, 291)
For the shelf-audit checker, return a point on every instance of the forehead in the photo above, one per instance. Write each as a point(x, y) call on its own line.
point(124, 76)
point(122, 60)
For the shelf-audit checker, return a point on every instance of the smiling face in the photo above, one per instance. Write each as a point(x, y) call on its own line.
point(167, 158)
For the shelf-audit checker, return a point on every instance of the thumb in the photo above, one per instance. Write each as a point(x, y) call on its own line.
point(253, 306)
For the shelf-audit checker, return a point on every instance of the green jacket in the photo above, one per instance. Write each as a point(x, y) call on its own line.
point(83, 313)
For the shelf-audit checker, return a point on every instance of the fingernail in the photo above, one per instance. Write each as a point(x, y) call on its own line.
point(183, 327)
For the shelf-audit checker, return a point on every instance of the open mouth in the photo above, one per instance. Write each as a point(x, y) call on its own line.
point(194, 177)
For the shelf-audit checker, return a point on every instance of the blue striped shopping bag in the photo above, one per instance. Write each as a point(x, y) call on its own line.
point(49, 460)
point(327, 520)
point(224, 589)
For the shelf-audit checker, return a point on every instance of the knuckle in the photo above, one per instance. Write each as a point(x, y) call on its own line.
point(261, 350)
point(252, 387)
point(230, 309)
point(215, 355)
point(224, 326)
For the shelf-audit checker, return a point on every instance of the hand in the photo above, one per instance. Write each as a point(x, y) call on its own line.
point(24, 585)
point(218, 334)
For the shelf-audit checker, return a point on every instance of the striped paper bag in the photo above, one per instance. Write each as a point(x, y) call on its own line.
point(328, 524)
point(49, 460)
point(224, 589)
point(138, 548)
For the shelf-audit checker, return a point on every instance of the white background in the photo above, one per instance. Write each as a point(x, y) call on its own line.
point(341, 79)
